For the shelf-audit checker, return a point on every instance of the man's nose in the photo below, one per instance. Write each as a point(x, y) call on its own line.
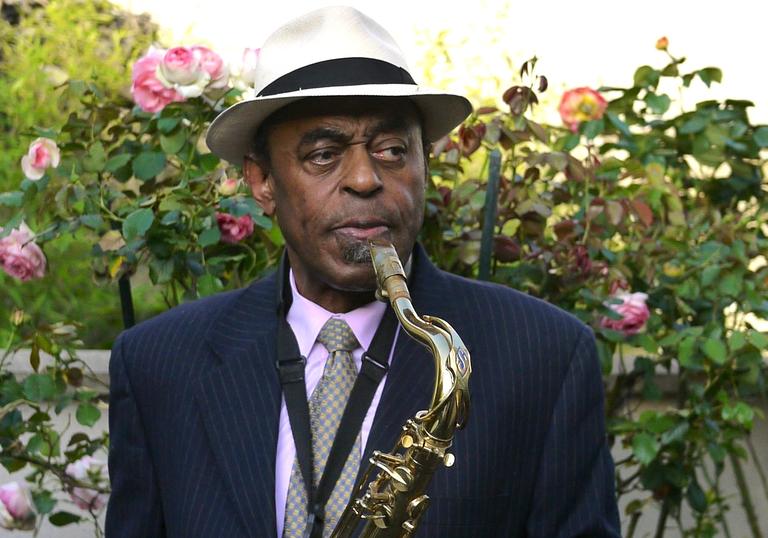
point(361, 177)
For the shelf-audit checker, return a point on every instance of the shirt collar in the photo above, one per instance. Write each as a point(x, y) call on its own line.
point(307, 318)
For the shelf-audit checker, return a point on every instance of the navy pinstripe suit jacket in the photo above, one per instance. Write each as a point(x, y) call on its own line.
point(195, 399)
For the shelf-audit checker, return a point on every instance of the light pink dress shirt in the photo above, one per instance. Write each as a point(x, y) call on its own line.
point(306, 319)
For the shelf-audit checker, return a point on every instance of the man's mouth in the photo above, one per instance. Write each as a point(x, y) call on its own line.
point(362, 229)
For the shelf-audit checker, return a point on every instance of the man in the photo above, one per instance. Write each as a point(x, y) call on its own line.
point(210, 438)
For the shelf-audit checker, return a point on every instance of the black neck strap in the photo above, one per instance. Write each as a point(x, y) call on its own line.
point(290, 366)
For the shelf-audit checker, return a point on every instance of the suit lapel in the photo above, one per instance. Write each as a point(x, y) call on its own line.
point(239, 401)
point(410, 380)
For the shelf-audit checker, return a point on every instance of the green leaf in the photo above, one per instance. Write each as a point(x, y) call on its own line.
point(11, 199)
point(96, 158)
point(44, 501)
point(737, 340)
point(47, 443)
point(166, 125)
point(685, 353)
point(137, 223)
point(59, 519)
point(117, 162)
point(715, 349)
point(696, 497)
point(659, 104)
point(591, 129)
point(172, 217)
point(208, 237)
point(172, 143)
point(744, 414)
point(570, 142)
point(92, 221)
point(620, 125)
point(708, 75)
point(760, 137)
point(645, 448)
point(709, 274)
point(87, 414)
point(148, 164)
point(694, 125)
point(208, 284)
point(646, 76)
point(758, 339)
point(675, 434)
point(648, 343)
point(39, 387)
point(730, 285)
point(209, 162)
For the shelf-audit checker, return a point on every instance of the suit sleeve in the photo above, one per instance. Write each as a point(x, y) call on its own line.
point(134, 508)
point(574, 493)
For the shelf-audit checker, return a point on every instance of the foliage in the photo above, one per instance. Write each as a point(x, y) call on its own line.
point(60, 381)
point(641, 198)
point(671, 204)
point(42, 45)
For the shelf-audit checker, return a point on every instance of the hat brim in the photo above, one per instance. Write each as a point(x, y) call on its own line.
point(232, 133)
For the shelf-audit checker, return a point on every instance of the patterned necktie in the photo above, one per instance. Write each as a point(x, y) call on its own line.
point(326, 405)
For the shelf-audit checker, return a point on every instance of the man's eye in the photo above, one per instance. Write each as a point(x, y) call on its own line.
point(392, 153)
point(323, 156)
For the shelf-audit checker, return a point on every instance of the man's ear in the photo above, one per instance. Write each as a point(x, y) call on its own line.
point(257, 176)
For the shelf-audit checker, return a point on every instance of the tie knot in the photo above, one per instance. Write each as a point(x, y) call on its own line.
point(336, 335)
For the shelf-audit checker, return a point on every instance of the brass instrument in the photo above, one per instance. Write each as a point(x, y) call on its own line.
point(395, 499)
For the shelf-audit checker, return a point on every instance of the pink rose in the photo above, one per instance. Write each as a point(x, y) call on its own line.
point(16, 507)
point(20, 257)
point(633, 310)
point(228, 186)
point(147, 90)
point(248, 66)
point(234, 229)
point(581, 104)
point(181, 70)
point(43, 153)
point(180, 65)
point(211, 63)
point(88, 469)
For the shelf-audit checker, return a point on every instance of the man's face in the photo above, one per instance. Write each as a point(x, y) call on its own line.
point(342, 172)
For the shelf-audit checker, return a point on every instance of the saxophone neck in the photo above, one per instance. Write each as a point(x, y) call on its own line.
point(452, 365)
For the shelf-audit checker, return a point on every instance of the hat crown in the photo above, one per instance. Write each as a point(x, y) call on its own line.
point(325, 34)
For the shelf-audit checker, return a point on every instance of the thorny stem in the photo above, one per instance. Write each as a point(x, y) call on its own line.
point(746, 498)
point(758, 465)
point(69, 481)
point(715, 485)
point(633, 524)
point(661, 524)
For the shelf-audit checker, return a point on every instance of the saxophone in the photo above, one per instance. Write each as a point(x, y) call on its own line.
point(393, 502)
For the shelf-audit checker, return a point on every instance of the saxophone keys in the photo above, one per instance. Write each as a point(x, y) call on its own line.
point(449, 459)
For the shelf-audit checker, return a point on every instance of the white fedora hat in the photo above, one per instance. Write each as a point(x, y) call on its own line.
point(333, 51)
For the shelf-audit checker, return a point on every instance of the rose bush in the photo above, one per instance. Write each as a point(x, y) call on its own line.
point(630, 195)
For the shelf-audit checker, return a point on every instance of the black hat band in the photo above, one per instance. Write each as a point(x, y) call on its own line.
point(338, 72)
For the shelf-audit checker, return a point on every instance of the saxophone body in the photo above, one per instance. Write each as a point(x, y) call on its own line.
point(391, 497)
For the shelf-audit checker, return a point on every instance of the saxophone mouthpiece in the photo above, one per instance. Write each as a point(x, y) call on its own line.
point(390, 275)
